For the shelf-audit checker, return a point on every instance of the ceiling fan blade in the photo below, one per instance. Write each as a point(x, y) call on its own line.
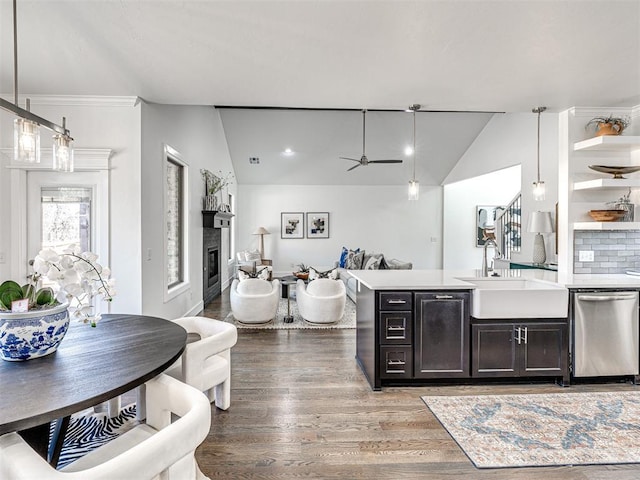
point(355, 166)
point(385, 161)
point(347, 158)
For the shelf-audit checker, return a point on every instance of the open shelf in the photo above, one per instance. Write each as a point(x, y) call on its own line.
point(607, 183)
point(606, 226)
point(609, 143)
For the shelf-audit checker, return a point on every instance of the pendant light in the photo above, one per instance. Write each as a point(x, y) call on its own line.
point(26, 128)
point(538, 187)
point(414, 185)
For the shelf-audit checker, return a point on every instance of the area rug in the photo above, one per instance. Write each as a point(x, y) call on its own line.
point(88, 430)
point(541, 430)
point(348, 320)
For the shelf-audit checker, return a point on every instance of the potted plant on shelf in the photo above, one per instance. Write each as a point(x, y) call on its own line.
point(608, 125)
point(212, 185)
point(34, 318)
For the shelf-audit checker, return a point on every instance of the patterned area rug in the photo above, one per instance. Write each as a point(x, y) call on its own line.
point(542, 430)
point(88, 430)
point(348, 320)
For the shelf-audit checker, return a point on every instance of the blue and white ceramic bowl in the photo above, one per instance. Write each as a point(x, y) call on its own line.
point(32, 334)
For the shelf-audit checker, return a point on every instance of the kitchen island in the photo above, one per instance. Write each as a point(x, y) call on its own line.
point(415, 327)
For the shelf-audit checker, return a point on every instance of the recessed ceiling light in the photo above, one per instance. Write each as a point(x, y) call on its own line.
point(408, 150)
point(288, 151)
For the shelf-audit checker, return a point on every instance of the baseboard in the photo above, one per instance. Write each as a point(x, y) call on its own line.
point(195, 310)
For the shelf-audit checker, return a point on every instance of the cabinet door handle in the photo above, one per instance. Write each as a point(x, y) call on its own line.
point(525, 334)
point(518, 338)
point(395, 329)
point(395, 362)
point(444, 297)
point(397, 302)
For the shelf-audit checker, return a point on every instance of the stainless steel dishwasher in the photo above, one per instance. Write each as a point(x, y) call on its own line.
point(606, 332)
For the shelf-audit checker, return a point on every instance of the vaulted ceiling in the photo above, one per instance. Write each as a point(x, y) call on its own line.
point(475, 55)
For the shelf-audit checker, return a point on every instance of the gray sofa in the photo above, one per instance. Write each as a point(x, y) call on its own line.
point(349, 281)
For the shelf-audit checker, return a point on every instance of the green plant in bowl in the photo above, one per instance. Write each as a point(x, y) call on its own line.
point(11, 291)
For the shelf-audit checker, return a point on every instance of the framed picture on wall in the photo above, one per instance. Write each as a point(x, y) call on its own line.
point(292, 225)
point(485, 223)
point(317, 224)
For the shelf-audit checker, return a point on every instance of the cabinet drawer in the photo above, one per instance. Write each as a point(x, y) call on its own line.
point(395, 301)
point(395, 328)
point(396, 362)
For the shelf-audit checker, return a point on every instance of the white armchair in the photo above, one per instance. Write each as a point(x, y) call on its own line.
point(206, 363)
point(156, 449)
point(322, 301)
point(254, 300)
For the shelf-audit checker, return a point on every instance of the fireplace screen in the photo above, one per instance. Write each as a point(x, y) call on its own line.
point(213, 266)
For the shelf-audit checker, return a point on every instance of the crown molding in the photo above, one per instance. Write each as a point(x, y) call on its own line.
point(85, 159)
point(77, 100)
point(603, 111)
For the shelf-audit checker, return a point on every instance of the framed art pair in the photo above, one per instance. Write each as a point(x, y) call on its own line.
point(292, 225)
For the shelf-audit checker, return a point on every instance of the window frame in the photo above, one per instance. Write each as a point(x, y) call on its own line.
point(171, 155)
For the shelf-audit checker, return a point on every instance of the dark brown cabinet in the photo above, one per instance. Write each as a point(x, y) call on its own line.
point(395, 331)
point(441, 338)
point(421, 336)
point(520, 349)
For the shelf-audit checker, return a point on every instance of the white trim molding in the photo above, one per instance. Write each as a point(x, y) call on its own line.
point(85, 159)
point(77, 100)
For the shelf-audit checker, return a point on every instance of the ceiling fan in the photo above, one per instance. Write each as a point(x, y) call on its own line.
point(363, 160)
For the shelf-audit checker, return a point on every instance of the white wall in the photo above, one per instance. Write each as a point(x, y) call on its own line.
point(460, 202)
point(95, 122)
point(506, 141)
point(373, 218)
point(197, 134)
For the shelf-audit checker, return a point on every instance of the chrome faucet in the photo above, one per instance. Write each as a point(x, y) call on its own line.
point(485, 268)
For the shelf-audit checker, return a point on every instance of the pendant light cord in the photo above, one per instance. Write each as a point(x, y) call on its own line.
point(414, 144)
point(15, 53)
point(538, 145)
point(538, 110)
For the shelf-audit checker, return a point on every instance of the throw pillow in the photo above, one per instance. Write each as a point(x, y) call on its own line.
point(262, 274)
point(253, 256)
point(342, 263)
point(354, 260)
point(331, 274)
point(372, 261)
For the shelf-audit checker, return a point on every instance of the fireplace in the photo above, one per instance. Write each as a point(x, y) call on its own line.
point(211, 263)
point(213, 267)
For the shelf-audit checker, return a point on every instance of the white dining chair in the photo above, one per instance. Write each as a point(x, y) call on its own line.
point(156, 449)
point(205, 363)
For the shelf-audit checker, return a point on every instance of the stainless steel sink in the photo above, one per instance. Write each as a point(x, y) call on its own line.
point(517, 298)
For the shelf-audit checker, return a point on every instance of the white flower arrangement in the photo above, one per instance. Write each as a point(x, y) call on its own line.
point(76, 277)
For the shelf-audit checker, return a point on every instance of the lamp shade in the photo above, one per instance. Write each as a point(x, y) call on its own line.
point(540, 222)
point(261, 231)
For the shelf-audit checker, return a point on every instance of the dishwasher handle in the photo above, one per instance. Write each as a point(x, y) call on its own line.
point(607, 298)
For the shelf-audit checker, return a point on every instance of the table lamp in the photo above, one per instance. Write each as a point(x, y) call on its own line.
point(262, 232)
point(539, 223)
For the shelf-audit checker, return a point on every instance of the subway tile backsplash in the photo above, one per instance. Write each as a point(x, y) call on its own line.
point(614, 251)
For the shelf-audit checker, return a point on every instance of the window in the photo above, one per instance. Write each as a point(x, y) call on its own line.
point(66, 217)
point(176, 259)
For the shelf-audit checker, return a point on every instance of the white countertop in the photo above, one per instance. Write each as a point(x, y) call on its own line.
point(454, 279)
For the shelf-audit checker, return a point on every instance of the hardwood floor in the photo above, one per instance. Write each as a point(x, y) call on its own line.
point(301, 408)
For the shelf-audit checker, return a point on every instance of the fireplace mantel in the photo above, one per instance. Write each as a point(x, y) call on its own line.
point(215, 219)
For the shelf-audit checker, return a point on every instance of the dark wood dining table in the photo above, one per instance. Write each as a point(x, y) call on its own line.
point(91, 365)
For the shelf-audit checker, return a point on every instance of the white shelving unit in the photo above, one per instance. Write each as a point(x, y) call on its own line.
point(606, 226)
point(579, 189)
point(609, 143)
point(608, 183)
point(615, 144)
